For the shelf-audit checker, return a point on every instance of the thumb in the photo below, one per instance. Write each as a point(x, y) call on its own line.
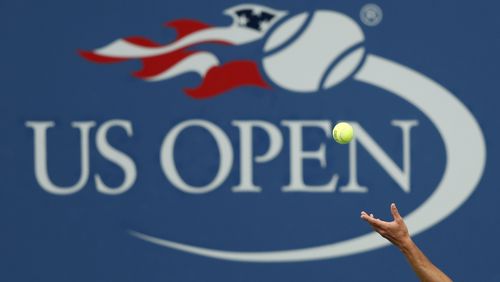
point(395, 212)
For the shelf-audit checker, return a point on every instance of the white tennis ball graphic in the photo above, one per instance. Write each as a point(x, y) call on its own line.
point(321, 56)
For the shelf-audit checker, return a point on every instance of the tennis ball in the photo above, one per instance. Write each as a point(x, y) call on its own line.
point(308, 55)
point(343, 133)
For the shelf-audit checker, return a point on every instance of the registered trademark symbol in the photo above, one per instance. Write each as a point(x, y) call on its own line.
point(371, 14)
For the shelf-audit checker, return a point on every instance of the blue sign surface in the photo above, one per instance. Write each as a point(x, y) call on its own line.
point(191, 140)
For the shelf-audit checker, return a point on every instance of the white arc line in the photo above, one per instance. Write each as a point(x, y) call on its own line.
point(465, 152)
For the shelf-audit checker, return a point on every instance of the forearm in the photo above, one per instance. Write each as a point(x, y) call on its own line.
point(423, 267)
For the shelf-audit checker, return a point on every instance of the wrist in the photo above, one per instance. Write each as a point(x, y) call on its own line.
point(406, 244)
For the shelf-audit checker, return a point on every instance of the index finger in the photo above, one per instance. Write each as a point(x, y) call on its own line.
point(373, 221)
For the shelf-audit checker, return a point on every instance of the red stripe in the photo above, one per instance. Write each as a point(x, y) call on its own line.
point(223, 78)
point(185, 27)
point(141, 41)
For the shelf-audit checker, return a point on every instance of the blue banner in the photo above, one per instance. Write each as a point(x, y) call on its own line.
point(192, 140)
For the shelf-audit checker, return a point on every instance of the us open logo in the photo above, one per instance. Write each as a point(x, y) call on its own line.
point(302, 54)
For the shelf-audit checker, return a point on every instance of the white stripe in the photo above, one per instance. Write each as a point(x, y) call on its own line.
point(198, 62)
point(235, 35)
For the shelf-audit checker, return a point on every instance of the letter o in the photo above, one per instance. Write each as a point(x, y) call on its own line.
point(168, 162)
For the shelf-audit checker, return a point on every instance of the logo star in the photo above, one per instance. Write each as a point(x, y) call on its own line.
point(257, 11)
point(243, 20)
point(264, 25)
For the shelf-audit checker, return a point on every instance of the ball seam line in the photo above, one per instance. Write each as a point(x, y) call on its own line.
point(339, 58)
point(293, 38)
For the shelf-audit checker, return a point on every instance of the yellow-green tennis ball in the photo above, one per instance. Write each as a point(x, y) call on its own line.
point(343, 133)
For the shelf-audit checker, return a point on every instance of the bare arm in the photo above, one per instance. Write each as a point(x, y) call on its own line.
point(397, 233)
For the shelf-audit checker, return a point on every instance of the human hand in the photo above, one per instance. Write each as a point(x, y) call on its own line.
point(395, 231)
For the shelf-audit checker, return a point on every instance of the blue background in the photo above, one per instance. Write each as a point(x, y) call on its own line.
point(83, 237)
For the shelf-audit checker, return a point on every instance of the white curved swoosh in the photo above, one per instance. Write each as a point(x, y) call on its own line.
point(466, 158)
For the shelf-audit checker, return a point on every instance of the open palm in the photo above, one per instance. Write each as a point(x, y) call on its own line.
point(394, 231)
